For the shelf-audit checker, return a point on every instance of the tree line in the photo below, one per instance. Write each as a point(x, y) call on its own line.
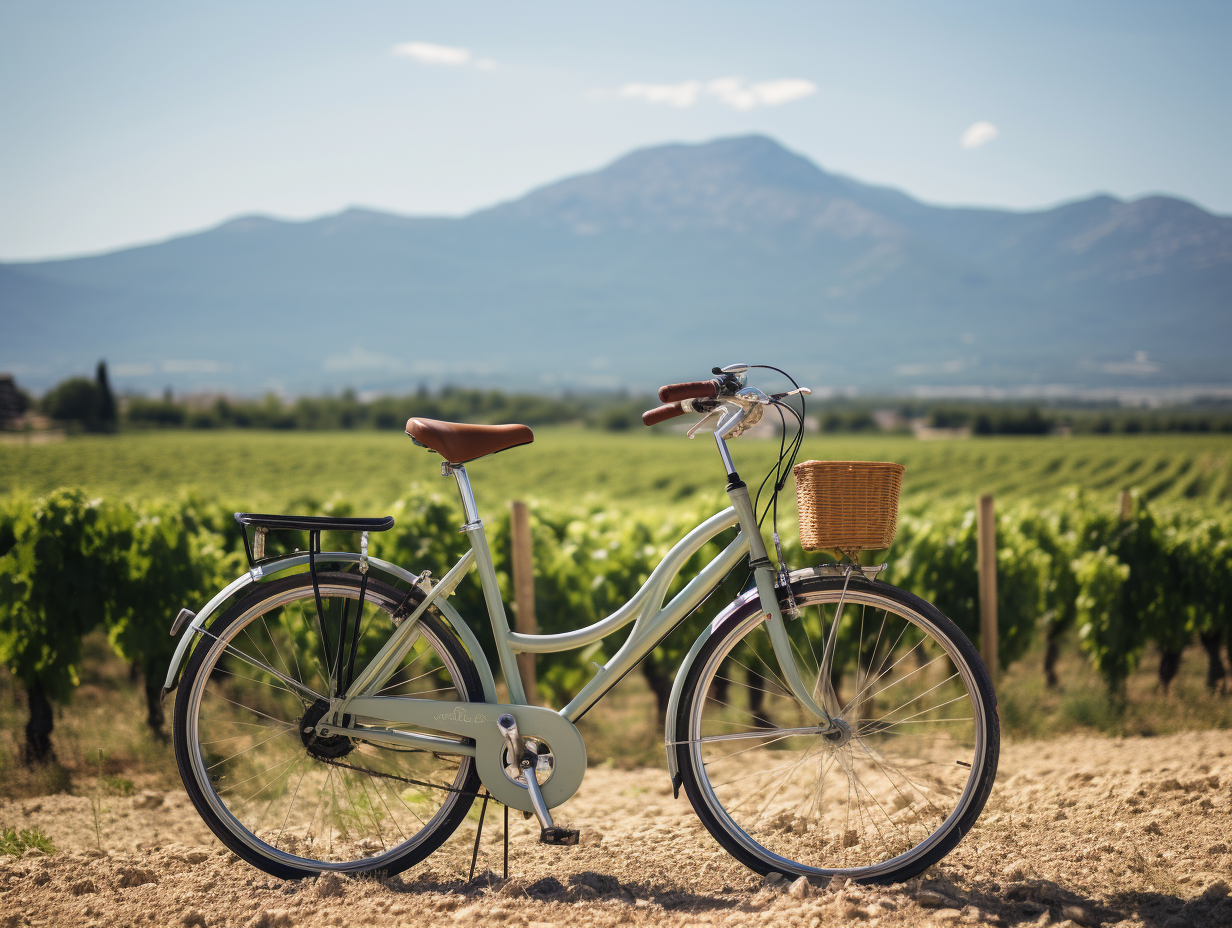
point(89, 404)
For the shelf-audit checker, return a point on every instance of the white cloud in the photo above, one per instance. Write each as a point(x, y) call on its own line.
point(678, 95)
point(977, 134)
point(729, 91)
point(448, 55)
point(732, 91)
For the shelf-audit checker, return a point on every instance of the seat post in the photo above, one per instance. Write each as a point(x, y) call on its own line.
point(487, 579)
point(469, 509)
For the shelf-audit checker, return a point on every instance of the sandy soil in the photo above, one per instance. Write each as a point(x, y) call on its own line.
point(1079, 831)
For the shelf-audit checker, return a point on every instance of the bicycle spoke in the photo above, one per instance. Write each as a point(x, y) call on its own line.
point(331, 798)
point(839, 801)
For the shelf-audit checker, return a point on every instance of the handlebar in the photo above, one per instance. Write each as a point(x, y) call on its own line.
point(662, 413)
point(726, 391)
point(694, 390)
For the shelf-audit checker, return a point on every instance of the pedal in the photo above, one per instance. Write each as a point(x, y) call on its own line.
point(558, 834)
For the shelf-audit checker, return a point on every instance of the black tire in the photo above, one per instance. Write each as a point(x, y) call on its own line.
point(806, 838)
point(214, 664)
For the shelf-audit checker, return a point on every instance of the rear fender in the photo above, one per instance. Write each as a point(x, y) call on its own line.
point(265, 571)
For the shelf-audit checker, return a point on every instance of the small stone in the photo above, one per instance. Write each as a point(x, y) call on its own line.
point(800, 889)
point(329, 885)
point(193, 919)
point(148, 800)
point(1016, 871)
point(1216, 890)
point(1060, 816)
point(1152, 829)
point(513, 889)
point(271, 918)
point(772, 877)
point(136, 876)
point(934, 900)
point(601, 883)
point(548, 886)
point(1078, 914)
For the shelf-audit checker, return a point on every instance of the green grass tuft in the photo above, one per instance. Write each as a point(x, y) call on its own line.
point(16, 843)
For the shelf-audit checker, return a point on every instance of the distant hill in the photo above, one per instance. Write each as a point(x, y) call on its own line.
point(667, 261)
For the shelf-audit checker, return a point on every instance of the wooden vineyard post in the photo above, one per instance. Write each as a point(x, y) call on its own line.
point(987, 566)
point(524, 594)
point(1127, 505)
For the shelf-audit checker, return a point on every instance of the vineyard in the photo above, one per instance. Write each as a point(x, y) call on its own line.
point(1072, 569)
point(635, 470)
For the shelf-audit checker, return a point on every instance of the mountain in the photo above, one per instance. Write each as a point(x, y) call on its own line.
point(666, 262)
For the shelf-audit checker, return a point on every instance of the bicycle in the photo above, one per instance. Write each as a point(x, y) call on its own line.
point(346, 718)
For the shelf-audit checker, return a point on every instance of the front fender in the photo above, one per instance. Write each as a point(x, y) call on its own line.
point(669, 725)
point(456, 622)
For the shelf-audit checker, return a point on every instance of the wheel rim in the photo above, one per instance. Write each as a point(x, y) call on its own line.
point(303, 805)
point(866, 807)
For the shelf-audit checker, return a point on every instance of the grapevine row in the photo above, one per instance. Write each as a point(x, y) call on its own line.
point(70, 564)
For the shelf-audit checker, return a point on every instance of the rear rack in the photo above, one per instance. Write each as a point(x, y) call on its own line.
point(254, 547)
point(341, 671)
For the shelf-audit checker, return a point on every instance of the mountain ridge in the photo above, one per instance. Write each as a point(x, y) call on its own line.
point(692, 242)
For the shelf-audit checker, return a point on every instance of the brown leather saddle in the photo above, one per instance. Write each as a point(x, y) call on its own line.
point(458, 442)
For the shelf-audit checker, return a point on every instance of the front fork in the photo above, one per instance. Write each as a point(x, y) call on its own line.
point(764, 575)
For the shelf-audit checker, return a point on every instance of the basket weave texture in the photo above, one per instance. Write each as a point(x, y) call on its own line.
point(848, 505)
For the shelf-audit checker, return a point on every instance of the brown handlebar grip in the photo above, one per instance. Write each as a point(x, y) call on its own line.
point(661, 414)
point(698, 389)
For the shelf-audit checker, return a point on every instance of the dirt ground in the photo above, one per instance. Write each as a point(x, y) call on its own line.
point(1088, 831)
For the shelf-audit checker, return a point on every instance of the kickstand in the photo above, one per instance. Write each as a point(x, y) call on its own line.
point(478, 834)
point(505, 872)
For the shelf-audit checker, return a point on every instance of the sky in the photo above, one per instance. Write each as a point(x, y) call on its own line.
point(124, 123)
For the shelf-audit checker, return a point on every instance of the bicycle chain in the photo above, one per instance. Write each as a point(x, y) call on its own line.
point(400, 779)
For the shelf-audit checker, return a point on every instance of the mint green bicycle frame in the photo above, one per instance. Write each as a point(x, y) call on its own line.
point(376, 718)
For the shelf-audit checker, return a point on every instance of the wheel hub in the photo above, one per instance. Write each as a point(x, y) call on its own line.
point(329, 748)
point(840, 734)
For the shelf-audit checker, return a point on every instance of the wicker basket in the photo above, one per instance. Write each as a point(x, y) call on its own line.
point(848, 505)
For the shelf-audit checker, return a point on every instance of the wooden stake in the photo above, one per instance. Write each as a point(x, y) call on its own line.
point(524, 594)
point(987, 565)
point(1127, 505)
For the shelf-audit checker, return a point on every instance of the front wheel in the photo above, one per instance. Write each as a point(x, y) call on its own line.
point(887, 793)
point(288, 801)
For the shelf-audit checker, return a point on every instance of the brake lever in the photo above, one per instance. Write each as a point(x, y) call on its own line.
point(805, 391)
point(715, 414)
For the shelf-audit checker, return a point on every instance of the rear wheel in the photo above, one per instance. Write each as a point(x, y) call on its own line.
point(290, 802)
point(888, 793)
